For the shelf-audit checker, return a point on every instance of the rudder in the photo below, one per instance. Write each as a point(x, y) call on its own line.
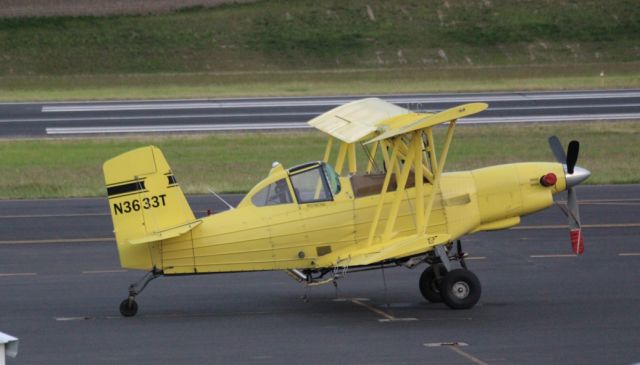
point(146, 205)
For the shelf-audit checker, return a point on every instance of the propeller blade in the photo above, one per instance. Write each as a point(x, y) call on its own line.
point(574, 211)
point(575, 229)
point(572, 155)
point(571, 210)
point(558, 151)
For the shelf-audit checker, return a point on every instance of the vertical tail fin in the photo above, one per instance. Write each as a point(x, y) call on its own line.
point(146, 202)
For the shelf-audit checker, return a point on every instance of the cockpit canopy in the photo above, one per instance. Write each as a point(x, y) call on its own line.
point(308, 183)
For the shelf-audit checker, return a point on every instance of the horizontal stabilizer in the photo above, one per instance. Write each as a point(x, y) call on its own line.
point(166, 234)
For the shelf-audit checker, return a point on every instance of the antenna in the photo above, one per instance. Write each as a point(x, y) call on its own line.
point(219, 197)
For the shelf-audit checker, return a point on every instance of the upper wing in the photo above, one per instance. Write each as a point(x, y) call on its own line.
point(358, 119)
point(353, 121)
point(428, 121)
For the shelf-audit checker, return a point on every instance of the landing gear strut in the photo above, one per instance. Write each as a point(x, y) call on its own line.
point(440, 282)
point(129, 307)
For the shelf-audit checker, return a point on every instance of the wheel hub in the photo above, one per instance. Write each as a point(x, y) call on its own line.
point(460, 289)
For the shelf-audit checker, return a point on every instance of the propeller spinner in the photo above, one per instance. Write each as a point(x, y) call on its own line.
point(574, 175)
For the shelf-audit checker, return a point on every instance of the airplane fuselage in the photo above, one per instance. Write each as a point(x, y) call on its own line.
point(315, 235)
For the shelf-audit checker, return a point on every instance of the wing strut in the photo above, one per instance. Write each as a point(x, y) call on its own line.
point(413, 152)
point(437, 173)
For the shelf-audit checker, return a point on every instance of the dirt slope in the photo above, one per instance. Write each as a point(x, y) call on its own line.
point(30, 8)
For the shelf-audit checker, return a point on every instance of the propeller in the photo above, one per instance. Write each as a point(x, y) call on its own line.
point(574, 176)
point(572, 155)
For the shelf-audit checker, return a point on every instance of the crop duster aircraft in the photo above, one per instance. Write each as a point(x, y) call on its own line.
point(319, 220)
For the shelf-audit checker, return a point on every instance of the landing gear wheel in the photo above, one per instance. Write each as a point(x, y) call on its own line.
point(430, 283)
point(460, 289)
point(128, 308)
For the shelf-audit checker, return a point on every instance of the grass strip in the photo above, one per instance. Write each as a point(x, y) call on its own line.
point(320, 82)
point(234, 162)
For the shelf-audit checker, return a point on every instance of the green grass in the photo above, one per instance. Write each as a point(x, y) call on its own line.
point(318, 82)
point(235, 162)
point(302, 47)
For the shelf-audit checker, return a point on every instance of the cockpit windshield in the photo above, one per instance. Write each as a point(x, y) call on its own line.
point(315, 184)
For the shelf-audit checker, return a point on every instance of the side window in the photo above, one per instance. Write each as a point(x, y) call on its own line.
point(310, 186)
point(273, 194)
point(332, 178)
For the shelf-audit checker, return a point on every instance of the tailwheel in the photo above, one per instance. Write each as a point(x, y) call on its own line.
point(430, 282)
point(460, 289)
point(128, 307)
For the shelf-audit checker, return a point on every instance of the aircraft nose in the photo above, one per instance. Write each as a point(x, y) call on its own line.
point(579, 175)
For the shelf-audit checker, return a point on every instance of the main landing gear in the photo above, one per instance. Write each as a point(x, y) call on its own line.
point(129, 307)
point(457, 288)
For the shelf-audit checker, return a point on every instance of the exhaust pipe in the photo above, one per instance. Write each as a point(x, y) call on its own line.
point(297, 275)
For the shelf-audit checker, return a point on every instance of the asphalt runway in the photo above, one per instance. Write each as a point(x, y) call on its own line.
point(89, 118)
point(60, 286)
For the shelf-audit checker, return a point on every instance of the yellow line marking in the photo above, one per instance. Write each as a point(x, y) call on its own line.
point(610, 203)
point(467, 355)
point(59, 240)
point(562, 226)
point(70, 215)
point(595, 201)
point(387, 317)
point(104, 271)
point(552, 256)
point(629, 254)
point(373, 309)
point(612, 225)
point(18, 274)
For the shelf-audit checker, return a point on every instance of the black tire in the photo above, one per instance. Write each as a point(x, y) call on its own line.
point(430, 283)
point(460, 289)
point(128, 308)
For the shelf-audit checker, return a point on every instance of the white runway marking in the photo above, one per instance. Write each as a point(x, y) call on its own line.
point(306, 102)
point(177, 128)
point(156, 117)
point(304, 125)
point(65, 319)
point(18, 274)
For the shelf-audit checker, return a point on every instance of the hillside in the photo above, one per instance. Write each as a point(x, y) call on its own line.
point(289, 35)
point(33, 8)
point(309, 34)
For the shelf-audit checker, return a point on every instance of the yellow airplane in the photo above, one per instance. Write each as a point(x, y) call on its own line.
point(318, 221)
